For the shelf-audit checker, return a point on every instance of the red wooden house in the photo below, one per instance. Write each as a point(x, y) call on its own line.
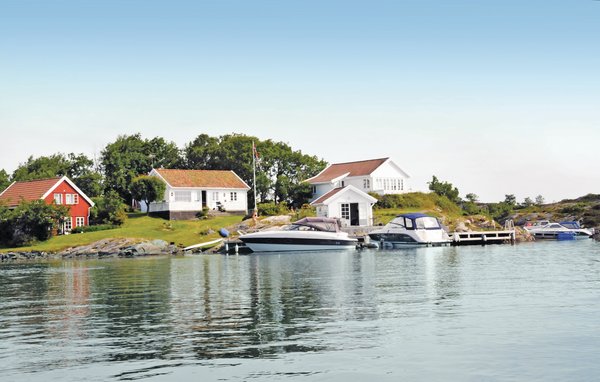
point(60, 190)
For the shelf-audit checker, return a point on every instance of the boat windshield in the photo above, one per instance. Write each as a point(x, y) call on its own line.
point(570, 225)
point(427, 223)
point(314, 224)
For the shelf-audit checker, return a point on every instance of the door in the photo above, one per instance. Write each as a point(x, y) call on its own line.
point(354, 220)
point(203, 198)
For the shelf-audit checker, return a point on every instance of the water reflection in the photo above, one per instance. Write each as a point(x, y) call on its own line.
point(143, 317)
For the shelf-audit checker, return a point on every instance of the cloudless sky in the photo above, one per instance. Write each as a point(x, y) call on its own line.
point(496, 97)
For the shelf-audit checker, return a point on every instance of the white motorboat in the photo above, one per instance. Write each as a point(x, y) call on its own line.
point(567, 230)
point(308, 234)
point(411, 230)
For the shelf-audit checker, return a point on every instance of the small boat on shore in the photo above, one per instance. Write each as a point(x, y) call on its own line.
point(205, 245)
point(411, 230)
point(308, 234)
point(567, 230)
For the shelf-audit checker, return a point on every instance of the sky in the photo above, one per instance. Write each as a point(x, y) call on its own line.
point(495, 97)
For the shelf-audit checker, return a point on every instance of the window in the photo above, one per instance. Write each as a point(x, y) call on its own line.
point(215, 196)
point(346, 211)
point(79, 221)
point(57, 198)
point(402, 184)
point(366, 184)
point(314, 189)
point(71, 199)
point(68, 224)
point(233, 196)
point(183, 196)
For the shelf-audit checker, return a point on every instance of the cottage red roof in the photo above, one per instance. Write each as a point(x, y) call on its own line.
point(336, 170)
point(27, 191)
point(202, 178)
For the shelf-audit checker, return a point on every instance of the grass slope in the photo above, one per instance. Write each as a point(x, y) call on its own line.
point(428, 203)
point(140, 226)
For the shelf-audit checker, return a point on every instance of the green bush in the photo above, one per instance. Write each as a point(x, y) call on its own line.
point(305, 211)
point(272, 209)
point(93, 228)
point(203, 214)
point(573, 209)
point(108, 209)
point(31, 221)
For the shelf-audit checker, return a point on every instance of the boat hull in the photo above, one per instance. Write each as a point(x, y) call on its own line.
point(282, 242)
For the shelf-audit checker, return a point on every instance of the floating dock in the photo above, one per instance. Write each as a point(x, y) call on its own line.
point(483, 237)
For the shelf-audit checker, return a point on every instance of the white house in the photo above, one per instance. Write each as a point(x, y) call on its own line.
point(340, 190)
point(189, 191)
point(353, 206)
point(382, 176)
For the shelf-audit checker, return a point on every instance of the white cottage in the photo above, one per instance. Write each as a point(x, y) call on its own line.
point(351, 205)
point(340, 190)
point(189, 191)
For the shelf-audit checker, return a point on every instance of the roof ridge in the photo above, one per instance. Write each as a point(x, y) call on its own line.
point(361, 161)
point(39, 180)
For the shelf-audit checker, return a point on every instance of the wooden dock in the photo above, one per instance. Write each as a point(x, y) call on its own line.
point(483, 237)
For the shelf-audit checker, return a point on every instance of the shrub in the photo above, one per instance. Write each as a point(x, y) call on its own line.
point(305, 211)
point(108, 209)
point(203, 214)
point(93, 228)
point(272, 209)
point(31, 221)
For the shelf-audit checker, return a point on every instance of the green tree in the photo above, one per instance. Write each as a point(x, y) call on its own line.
point(108, 209)
point(78, 167)
point(130, 156)
point(510, 200)
point(4, 180)
point(147, 189)
point(444, 189)
point(36, 220)
point(539, 200)
point(473, 198)
point(279, 171)
point(527, 202)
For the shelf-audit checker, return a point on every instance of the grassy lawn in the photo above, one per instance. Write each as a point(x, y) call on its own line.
point(139, 226)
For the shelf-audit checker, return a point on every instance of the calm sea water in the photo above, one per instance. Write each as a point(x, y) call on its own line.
point(529, 312)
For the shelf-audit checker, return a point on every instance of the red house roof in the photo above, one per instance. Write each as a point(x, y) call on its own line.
point(27, 191)
point(336, 170)
point(201, 178)
point(34, 190)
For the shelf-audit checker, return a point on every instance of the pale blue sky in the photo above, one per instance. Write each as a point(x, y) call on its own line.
point(496, 97)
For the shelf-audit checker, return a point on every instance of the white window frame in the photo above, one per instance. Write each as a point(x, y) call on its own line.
point(75, 198)
point(79, 221)
point(68, 224)
point(182, 196)
point(58, 199)
point(345, 211)
point(233, 196)
point(215, 196)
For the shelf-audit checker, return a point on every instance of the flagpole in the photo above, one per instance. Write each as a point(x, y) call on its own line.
point(254, 175)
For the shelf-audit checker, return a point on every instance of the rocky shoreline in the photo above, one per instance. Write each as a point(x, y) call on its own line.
point(106, 248)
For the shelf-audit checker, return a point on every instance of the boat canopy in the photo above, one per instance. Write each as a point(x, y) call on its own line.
point(416, 220)
point(320, 224)
point(570, 224)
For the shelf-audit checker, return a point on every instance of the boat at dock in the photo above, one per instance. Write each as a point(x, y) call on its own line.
point(566, 230)
point(308, 234)
point(411, 230)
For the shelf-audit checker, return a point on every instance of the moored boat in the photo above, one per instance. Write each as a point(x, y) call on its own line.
point(308, 234)
point(411, 230)
point(566, 230)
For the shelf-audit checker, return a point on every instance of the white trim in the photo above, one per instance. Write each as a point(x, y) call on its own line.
point(3, 191)
point(344, 190)
point(64, 178)
point(160, 176)
point(241, 180)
